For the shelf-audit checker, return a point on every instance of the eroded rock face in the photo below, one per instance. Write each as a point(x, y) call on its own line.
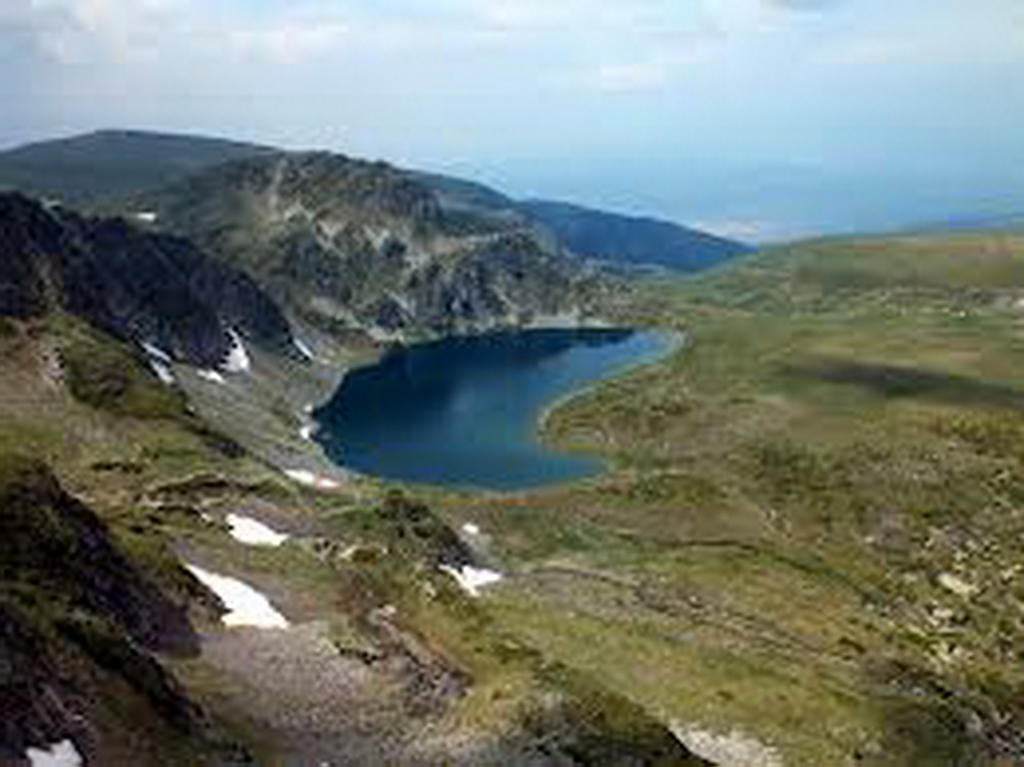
point(52, 543)
point(34, 700)
point(349, 244)
point(79, 621)
point(139, 286)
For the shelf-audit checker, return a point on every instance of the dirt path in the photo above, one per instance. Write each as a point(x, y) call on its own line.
point(311, 704)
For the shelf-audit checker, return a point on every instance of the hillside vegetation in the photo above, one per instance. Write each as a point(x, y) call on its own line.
point(813, 533)
point(106, 165)
point(632, 240)
point(109, 485)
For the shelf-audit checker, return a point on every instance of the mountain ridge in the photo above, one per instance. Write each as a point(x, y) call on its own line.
point(101, 170)
point(632, 240)
point(149, 288)
point(109, 163)
point(350, 245)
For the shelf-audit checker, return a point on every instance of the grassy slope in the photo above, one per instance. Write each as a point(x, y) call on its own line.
point(843, 428)
point(128, 446)
point(94, 168)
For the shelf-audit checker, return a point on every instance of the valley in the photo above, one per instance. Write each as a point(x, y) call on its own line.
point(803, 549)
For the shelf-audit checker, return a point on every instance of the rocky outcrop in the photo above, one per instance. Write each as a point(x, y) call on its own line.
point(347, 244)
point(142, 287)
point(79, 623)
point(49, 539)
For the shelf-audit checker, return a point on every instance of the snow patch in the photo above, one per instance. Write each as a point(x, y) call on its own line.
point(471, 579)
point(146, 216)
point(306, 432)
point(957, 585)
point(733, 750)
point(253, 532)
point(161, 371)
point(246, 606)
point(380, 335)
point(303, 349)
point(155, 351)
point(62, 754)
point(306, 477)
point(211, 375)
point(238, 358)
point(470, 529)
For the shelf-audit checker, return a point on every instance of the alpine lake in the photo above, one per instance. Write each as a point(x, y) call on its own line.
point(465, 411)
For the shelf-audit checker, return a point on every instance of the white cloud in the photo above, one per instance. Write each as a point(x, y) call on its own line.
point(290, 40)
point(633, 76)
point(517, 87)
point(654, 72)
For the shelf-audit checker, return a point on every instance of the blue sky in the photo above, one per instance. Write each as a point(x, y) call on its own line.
point(761, 118)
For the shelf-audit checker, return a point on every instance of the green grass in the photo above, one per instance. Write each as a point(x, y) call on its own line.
point(842, 428)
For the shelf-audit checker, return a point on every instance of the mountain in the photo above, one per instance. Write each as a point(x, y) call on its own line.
point(152, 289)
point(631, 240)
point(100, 171)
point(1014, 222)
point(106, 164)
point(348, 245)
point(116, 519)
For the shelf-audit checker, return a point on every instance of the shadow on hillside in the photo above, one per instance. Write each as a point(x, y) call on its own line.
point(897, 381)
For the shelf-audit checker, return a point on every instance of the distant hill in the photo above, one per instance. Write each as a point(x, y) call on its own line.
point(88, 169)
point(102, 171)
point(629, 239)
point(1013, 222)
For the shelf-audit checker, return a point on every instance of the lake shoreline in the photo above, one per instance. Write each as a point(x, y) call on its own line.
point(409, 418)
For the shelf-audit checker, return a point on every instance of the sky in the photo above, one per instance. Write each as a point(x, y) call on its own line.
point(763, 119)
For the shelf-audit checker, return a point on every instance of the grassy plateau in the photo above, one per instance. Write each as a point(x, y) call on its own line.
point(812, 531)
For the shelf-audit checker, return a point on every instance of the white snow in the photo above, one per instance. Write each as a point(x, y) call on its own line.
point(306, 432)
point(735, 749)
point(470, 529)
point(246, 606)
point(309, 478)
point(253, 532)
point(211, 375)
point(471, 579)
point(62, 754)
point(162, 371)
point(302, 475)
point(958, 586)
point(306, 351)
point(238, 358)
point(155, 351)
point(148, 216)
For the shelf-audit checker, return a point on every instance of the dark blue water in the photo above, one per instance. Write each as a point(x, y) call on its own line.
point(464, 411)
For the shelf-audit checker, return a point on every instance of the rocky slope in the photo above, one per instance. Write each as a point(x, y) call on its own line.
point(351, 246)
point(79, 623)
point(152, 289)
point(112, 653)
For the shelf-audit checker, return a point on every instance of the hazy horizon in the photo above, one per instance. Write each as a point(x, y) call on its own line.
point(760, 119)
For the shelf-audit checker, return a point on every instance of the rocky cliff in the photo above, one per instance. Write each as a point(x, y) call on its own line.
point(80, 622)
point(347, 245)
point(152, 289)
